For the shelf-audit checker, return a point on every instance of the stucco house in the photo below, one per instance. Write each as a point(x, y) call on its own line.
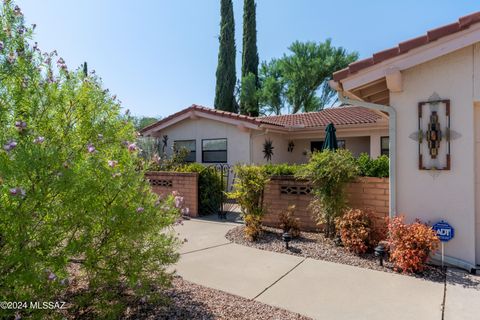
point(214, 136)
point(430, 86)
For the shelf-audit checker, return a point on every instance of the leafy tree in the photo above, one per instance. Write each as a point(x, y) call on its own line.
point(73, 203)
point(248, 99)
point(271, 94)
point(226, 75)
point(141, 122)
point(304, 75)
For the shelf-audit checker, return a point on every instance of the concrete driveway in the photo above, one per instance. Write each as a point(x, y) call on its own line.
point(318, 289)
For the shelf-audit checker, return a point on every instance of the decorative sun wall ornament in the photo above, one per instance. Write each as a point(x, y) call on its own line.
point(268, 149)
point(434, 134)
point(291, 145)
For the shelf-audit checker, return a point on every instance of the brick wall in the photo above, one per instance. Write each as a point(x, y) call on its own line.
point(282, 191)
point(185, 183)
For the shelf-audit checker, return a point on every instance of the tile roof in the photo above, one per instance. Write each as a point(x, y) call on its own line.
point(337, 116)
point(194, 107)
point(403, 47)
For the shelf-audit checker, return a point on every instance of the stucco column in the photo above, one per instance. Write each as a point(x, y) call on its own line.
point(375, 146)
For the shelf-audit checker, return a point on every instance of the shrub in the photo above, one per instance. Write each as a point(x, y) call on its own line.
point(358, 230)
point(71, 194)
point(288, 222)
point(282, 169)
point(329, 171)
point(369, 167)
point(210, 188)
point(410, 244)
point(248, 191)
point(253, 226)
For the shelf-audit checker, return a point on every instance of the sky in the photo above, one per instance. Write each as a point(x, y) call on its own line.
point(160, 56)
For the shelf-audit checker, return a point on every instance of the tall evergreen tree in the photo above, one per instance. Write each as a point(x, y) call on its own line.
point(249, 102)
point(226, 75)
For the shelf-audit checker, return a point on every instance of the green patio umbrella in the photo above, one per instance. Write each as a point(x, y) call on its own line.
point(330, 138)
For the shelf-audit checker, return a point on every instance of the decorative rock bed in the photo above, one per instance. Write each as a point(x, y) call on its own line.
point(316, 246)
point(192, 301)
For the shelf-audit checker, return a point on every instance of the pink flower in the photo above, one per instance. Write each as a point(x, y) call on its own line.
point(38, 140)
point(91, 148)
point(10, 145)
point(112, 163)
point(140, 209)
point(132, 147)
point(178, 202)
point(17, 192)
point(51, 276)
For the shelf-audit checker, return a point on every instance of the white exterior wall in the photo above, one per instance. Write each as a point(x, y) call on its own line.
point(450, 195)
point(238, 141)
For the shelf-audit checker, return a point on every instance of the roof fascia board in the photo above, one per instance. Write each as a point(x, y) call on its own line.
point(414, 57)
point(195, 114)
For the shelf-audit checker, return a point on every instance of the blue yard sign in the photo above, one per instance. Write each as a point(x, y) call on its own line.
point(445, 232)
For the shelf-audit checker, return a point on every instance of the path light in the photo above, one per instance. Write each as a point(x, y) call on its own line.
point(287, 237)
point(380, 253)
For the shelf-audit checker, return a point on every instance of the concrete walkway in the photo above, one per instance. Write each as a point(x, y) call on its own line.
point(318, 289)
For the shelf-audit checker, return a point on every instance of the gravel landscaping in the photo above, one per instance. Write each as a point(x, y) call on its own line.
point(316, 246)
point(192, 301)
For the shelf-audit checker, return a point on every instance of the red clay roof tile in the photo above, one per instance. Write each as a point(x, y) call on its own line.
point(337, 116)
point(405, 46)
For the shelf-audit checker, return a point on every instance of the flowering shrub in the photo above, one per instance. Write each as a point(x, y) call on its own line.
point(358, 230)
point(288, 222)
point(71, 195)
point(410, 244)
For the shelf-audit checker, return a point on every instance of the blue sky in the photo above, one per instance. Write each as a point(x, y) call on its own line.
point(160, 56)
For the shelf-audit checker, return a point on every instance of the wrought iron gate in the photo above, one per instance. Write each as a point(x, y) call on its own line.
point(219, 203)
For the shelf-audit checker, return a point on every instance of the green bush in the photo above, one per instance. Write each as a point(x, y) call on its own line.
point(329, 171)
point(210, 188)
point(71, 195)
point(248, 191)
point(282, 169)
point(373, 167)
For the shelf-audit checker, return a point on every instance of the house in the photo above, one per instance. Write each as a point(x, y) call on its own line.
point(430, 85)
point(214, 136)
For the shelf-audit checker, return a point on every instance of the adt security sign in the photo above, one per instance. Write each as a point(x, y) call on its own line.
point(445, 232)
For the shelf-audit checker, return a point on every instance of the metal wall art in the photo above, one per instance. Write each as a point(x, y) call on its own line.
point(432, 132)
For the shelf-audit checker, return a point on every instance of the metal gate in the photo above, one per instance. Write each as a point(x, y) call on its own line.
point(218, 202)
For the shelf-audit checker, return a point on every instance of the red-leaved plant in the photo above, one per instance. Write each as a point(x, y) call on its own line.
point(410, 244)
point(358, 230)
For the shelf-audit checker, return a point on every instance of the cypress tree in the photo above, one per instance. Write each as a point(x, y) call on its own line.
point(249, 105)
point(226, 75)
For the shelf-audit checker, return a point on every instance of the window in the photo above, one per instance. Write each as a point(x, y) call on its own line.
point(384, 146)
point(190, 145)
point(318, 145)
point(214, 150)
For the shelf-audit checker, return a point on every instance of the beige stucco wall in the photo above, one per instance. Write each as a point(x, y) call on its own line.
point(449, 195)
point(358, 141)
point(238, 141)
